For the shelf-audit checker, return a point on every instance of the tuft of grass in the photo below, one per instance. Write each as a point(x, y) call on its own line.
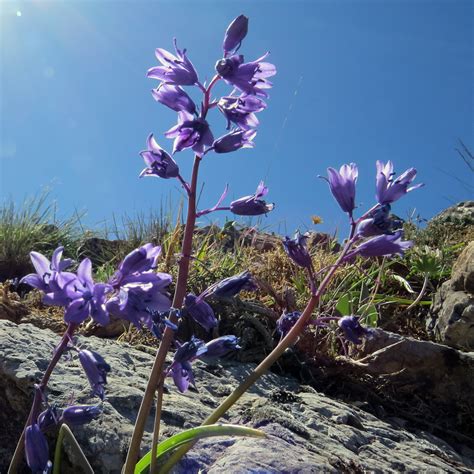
point(32, 225)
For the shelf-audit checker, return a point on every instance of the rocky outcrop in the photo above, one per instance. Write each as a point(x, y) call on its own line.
point(452, 313)
point(462, 214)
point(307, 432)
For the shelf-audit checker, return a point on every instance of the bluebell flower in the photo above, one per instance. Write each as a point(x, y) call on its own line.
point(221, 346)
point(190, 132)
point(381, 246)
point(342, 184)
point(389, 189)
point(234, 140)
point(160, 321)
point(286, 322)
point(80, 414)
point(48, 418)
point(250, 78)
point(96, 370)
point(200, 311)
point(379, 222)
point(176, 70)
point(352, 329)
point(174, 97)
point(234, 34)
point(252, 205)
point(36, 450)
point(159, 162)
point(241, 110)
point(88, 298)
point(231, 286)
point(297, 251)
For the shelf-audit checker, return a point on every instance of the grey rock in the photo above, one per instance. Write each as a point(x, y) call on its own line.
point(452, 313)
point(459, 214)
point(307, 432)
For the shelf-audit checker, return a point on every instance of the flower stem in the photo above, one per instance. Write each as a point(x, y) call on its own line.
point(36, 405)
point(156, 376)
point(286, 342)
point(156, 429)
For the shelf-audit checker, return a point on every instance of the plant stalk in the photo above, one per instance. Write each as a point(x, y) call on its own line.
point(36, 405)
point(286, 342)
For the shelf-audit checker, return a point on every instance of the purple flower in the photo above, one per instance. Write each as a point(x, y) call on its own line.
point(137, 298)
point(80, 414)
point(50, 277)
point(234, 140)
point(286, 321)
point(221, 346)
point(230, 287)
point(159, 163)
point(235, 33)
point(96, 370)
point(160, 321)
point(181, 369)
point(297, 251)
point(190, 132)
point(48, 418)
point(241, 110)
point(250, 78)
point(87, 298)
point(342, 184)
point(380, 246)
point(174, 97)
point(352, 329)
point(389, 189)
point(139, 261)
point(36, 450)
point(177, 70)
point(379, 222)
point(200, 311)
point(252, 205)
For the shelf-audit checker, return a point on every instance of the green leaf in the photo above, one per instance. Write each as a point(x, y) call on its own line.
point(65, 434)
point(404, 282)
point(193, 435)
point(343, 306)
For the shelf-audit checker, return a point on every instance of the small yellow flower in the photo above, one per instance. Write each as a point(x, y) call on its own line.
point(316, 220)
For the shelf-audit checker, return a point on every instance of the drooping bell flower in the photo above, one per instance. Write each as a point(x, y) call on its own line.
point(96, 370)
point(251, 78)
point(231, 286)
point(160, 321)
point(158, 162)
point(241, 110)
point(381, 246)
point(181, 369)
point(252, 205)
point(297, 251)
point(200, 311)
point(174, 97)
point(176, 70)
point(234, 34)
point(379, 222)
point(190, 132)
point(352, 329)
point(389, 189)
point(80, 414)
point(48, 418)
point(234, 140)
point(51, 278)
point(342, 185)
point(137, 266)
point(36, 450)
point(88, 297)
point(286, 322)
point(221, 346)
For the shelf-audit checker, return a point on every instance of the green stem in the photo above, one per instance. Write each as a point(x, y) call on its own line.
point(286, 342)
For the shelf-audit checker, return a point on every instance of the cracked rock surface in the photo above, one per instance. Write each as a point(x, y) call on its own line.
point(307, 432)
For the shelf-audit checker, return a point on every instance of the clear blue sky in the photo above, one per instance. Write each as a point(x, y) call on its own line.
point(357, 81)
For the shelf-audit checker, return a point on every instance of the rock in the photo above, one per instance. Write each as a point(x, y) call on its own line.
point(462, 214)
point(452, 314)
point(307, 432)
